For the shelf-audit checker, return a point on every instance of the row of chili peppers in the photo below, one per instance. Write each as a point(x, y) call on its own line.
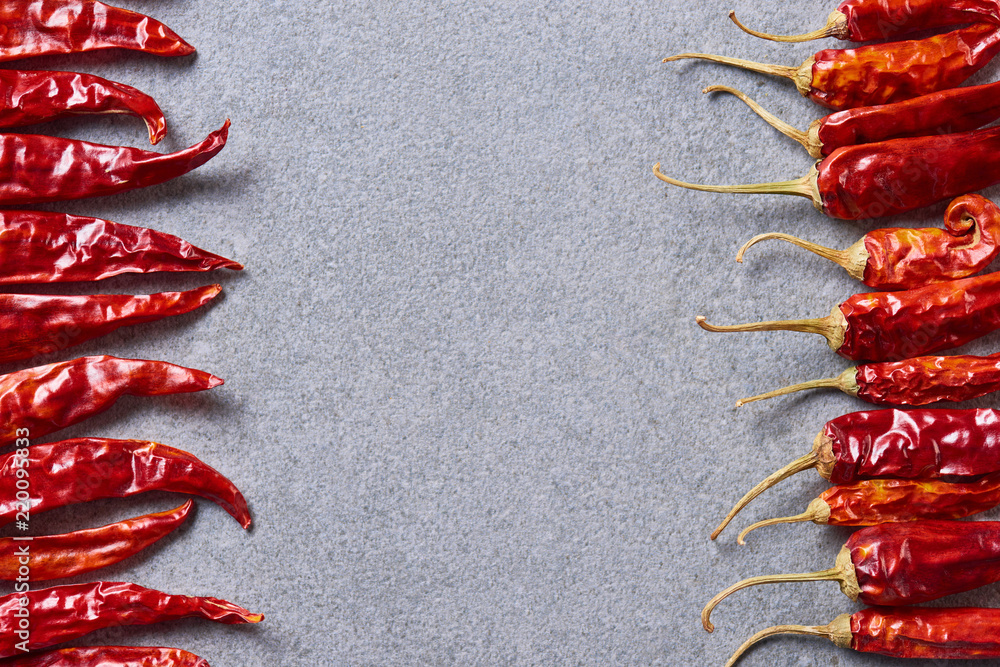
point(903, 475)
point(42, 247)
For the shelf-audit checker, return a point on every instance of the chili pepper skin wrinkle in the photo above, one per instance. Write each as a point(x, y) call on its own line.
point(63, 613)
point(110, 656)
point(45, 27)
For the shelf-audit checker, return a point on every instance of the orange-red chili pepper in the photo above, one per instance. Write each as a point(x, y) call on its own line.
point(901, 258)
point(44, 399)
point(63, 613)
point(882, 73)
point(45, 27)
point(109, 656)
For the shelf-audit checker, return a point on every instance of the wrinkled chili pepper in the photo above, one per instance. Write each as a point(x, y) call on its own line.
point(900, 258)
point(63, 613)
point(886, 326)
point(28, 97)
point(904, 632)
point(36, 168)
point(85, 469)
point(45, 27)
point(48, 398)
point(110, 656)
point(882, 73)
point(83, 551)
point(33, 324)
point(45, 247)
point(902, 563)
point(944, 112)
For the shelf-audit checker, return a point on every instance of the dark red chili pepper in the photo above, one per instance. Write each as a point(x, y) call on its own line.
point(882, 73)
point(48, 398)
point(44, 247)
point(905, 632)
point(900, 258)
point(82, 551)
point(44, 27)
point(85, 469)
point(903, 563)
point(34, 324)
point(109, 656)
point(63, 613)
point(36, 168)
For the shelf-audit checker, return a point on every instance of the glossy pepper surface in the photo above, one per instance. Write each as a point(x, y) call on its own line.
point(63, 613)
point(46, 27)
point(46, 247)
point(85, 469)
point(110, 656)
point(48, 398)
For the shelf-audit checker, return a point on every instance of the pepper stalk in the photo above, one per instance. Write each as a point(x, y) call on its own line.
point(838, 631)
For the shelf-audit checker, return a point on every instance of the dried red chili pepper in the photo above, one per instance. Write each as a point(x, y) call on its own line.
point(900, 258)
point(63, 613)
point(45, 247)
point(34, 324)
point(83, 551)
point(36, 168)
point(28, 97)
point(85, 469)
point(45, 27)
point(109, 656)
point(902, 563)
point(904, 632)
point(882, 73)
point(48, 398)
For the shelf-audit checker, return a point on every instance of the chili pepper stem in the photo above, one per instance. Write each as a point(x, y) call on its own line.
point(801, 76)
point(818, 511)
point(842, 572)
point(854, 259)
point(845, 382)
point(838, 631)
point(798, 465)
point(809, 139)
point(831, 327)
point(800, 187)
point(836, 26)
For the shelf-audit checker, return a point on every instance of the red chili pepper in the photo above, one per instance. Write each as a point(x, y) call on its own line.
point(882, 73)
point(903, 563)
point(110, 656)
point(63, 613)
point(34, 324)
point(83, 551)
point(85, 469)
point(44, 247)
point(904, 632)
point(36, 168)
point(45, 27)
point(900, 258)
point(48, 398)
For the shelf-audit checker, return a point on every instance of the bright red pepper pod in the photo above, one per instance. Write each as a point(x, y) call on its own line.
point(110, 656)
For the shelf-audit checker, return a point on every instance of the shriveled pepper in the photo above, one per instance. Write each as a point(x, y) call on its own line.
point(85, 469)
point(63, 613)
point(48, 398)
point(882, 73)
point(36, 168)
point(46, 247)
point(901, 258)
point(83, 551)
point(110, 656)
point(902, 563)
point(46, 27)
point(34, 324)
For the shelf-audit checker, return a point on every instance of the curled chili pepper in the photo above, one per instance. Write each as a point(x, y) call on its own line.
point(48, 398)
point(33, 324)
point(882, 73)
point(46, 247)
point(36, 168)
point(83, 551)
point(85, 469)
point(63, 613)
point(902, 563)
point(901, 258)
point(45, 27)
point(883, 326)
point(110, 656)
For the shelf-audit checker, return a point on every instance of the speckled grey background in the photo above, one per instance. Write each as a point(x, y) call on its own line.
point(465, 394)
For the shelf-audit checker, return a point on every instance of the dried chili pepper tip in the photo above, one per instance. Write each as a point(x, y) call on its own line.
point(110, 656)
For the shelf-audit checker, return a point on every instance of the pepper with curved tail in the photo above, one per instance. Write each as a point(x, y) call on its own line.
point(110, 656)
